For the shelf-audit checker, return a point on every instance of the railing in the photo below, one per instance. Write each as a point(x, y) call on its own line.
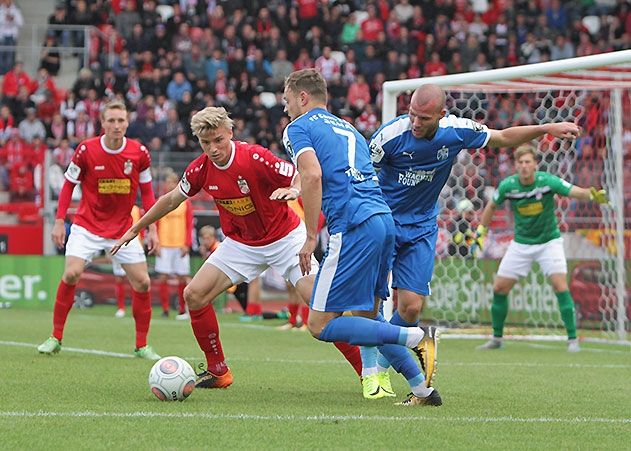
point(31, 54)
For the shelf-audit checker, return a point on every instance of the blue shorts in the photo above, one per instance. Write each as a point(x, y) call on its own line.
point(414, 255)
point(355, 268)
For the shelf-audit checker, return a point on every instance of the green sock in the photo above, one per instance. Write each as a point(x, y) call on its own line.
point(566, 307)
point(499, 310)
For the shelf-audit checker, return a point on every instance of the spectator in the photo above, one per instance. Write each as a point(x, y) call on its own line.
point(194, 63)
point(172, 128)
point(14, 79)
point(56, 130)
point(11, 21)
point(372, 25)
point(350, 30)
point(561, 49)
point(126, 20)
point(327, 65)
point(145, 128)
point(57, 20)
point(358, 94)
point(435, 66)
point(371, 64)
point(177, 87)
point(31, 126)
point(214, 63)
point(22, 186)
point(7, 123)
point(62, 154)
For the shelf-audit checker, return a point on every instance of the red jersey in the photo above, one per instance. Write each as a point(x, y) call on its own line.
point(109, 183)
point(241, 190)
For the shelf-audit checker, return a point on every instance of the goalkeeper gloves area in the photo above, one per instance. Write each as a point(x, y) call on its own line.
point(478, 240)
point(598, 195)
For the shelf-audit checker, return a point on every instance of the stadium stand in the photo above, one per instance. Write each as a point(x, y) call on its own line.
point(168, 59)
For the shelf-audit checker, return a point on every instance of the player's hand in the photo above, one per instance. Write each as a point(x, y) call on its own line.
point(123, 241)
point(59, 233)
point(285, 194)
point(305, 255)
point(568, 130)
point(598, 195)
point(153, 242)
point(184, 250)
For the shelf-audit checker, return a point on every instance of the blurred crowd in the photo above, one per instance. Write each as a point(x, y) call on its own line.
point(172, 58)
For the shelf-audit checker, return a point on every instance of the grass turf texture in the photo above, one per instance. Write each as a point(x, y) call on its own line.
point(293, 392)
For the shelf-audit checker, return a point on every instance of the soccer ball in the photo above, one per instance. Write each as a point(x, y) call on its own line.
point(464, 206)
point(172, 379)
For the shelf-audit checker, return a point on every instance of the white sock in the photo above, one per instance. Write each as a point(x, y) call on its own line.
point(415, 335)
point(422, 391)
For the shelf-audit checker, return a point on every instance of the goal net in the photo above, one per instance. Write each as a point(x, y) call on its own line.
point(597, 240)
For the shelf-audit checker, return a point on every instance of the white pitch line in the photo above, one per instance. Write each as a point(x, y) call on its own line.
point(338, 362)
point(317, 418)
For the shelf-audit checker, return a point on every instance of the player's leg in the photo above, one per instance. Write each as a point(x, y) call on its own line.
point(164, 267)
point(183, 315)
point(230, 264)
point(138, 277)
point(80, 248)
point(253, 306)
point(163, 284)
point(293, 306)
point(553, 264)
point(286, 263)
point(119, 289)
point(516, 263)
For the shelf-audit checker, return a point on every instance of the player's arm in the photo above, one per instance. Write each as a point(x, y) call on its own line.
point(592, 194)
point(189, 229)
point(311, 181)
point(515, 136)
point(292, 192)
point(164, 205)
point(59, 228)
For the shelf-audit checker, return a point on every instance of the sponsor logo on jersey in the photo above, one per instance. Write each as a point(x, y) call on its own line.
point(114, 186)
point(243, 185)
point(413, 178)
point(530, 209)
point(407, 154)
point(442, 154)
point(99, 168)
point(239, 207)
point(127, 168)
point(213, 187)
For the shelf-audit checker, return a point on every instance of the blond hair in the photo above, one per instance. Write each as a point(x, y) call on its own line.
point(309, 80)
point(207, 230)
point(113, 105)
point(210, 118)
point(525, 149)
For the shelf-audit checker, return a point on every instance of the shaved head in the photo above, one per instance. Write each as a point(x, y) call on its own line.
point(429, 94)
point(427, 107)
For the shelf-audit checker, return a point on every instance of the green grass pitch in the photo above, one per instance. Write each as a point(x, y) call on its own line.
point(292, 392)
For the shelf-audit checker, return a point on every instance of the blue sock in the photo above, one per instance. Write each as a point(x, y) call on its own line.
point(362, 331)
point(402, 361)
point(369, 360)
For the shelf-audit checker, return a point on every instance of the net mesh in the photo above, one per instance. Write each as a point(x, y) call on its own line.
point(462, 286)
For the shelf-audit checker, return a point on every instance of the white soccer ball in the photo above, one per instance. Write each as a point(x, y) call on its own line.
point(464, 206)
point(172, 379)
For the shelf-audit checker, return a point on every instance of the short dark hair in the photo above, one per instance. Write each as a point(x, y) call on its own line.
point(308, 80)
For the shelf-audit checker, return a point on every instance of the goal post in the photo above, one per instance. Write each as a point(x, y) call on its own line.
point(594, 91)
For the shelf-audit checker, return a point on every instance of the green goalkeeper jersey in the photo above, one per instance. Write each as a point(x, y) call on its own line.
point(533, 206)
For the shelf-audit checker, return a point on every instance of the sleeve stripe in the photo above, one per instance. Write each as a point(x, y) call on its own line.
point(304, 149)
point(72, 180)
point(145, 176)
point(182, 191)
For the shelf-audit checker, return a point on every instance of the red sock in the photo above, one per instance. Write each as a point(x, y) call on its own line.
point(180, 291)
point(351, 354)
point(206, 331)
point(119, 289)
point(254, 309)
point(304, 313)
point(164, 296)
point(293, 313)
point(63, 304)
point(141, 309)
point(258, 309)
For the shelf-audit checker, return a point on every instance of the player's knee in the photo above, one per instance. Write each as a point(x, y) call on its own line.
point(141, 284)
point(315, 327)
point(500, 287)
point(194, 298)
point(72, 275)
point(411, 312)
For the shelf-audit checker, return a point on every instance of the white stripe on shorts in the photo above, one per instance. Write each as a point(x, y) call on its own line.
point(327, 273)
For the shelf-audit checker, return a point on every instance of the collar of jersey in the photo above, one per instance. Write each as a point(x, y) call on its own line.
point(227, 165)
point(113, 152)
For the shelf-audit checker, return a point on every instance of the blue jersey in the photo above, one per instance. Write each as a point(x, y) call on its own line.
point(350, 193)
point(413, 170)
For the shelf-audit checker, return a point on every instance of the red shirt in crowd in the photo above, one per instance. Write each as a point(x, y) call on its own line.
point(109, 181)
point(241, 190)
